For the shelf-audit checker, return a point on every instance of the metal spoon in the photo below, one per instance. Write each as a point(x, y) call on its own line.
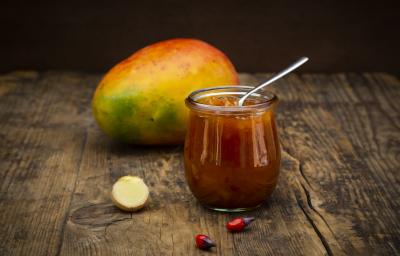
point(284, 72)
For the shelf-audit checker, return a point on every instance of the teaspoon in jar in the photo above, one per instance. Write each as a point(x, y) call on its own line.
point(284, 72)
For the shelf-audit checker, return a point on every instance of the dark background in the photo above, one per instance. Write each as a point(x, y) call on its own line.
point(258, 36)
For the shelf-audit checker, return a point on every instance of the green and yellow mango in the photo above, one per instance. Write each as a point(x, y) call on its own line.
point(141, 99)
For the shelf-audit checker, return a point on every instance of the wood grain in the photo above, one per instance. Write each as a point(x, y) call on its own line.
point(338, 191)
point(41, 151)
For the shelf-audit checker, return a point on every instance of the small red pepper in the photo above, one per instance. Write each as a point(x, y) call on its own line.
point(204, 242)
point(238, 224)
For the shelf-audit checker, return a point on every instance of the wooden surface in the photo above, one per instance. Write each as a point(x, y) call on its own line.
point(338, 191)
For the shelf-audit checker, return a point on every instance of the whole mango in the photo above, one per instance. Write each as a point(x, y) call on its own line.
point(141, 99)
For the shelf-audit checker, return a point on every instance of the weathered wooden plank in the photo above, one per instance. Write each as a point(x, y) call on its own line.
point(337, 194)
point(364, 110)
point(172, 218)
point(41, 145)
point(346, 144)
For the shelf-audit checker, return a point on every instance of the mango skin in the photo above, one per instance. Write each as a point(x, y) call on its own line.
point(141, 99)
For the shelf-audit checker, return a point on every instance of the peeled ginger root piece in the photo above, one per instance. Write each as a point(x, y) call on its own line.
point(130, 193)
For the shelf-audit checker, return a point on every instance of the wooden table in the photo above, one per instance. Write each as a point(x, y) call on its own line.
point(338, 193)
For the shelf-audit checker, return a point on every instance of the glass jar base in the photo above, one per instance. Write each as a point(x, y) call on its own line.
point(246, 209)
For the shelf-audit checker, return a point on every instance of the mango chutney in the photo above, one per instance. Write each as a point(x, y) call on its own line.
point(232, 154)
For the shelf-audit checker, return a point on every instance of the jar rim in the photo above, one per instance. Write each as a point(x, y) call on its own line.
point(269, 99)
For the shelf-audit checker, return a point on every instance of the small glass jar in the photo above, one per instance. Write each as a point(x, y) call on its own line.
point(232, 154)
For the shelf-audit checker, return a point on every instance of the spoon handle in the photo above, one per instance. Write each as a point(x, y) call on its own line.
point(284, 72)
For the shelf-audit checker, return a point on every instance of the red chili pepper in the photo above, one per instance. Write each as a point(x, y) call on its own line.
point(204, 242)
point(238, 224)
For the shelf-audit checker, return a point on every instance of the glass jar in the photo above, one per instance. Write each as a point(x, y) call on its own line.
point(232, 154)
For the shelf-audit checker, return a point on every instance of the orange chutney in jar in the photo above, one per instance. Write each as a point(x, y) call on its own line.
point(232, 154)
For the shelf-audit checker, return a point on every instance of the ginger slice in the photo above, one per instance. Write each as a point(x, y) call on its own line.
point(130, 193)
